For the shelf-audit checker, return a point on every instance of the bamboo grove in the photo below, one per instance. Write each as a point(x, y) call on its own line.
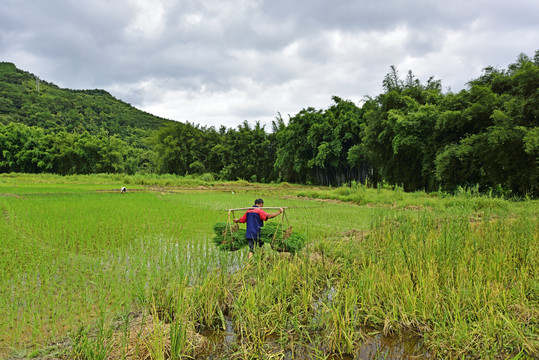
point(413, 135)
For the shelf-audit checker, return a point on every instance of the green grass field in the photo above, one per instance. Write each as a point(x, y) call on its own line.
point(78, 260)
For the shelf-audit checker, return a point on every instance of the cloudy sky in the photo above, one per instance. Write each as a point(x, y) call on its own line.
point(217, 62)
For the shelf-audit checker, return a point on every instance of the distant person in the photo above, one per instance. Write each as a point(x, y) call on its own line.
point(255, 220)
point(123, 190)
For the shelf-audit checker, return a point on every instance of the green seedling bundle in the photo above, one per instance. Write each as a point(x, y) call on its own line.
point(228, 238)
point(282, 239)
point(232, 238)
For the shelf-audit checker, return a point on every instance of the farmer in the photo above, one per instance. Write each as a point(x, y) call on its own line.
point(255, 220)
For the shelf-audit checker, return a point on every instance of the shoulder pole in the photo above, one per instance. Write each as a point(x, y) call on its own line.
point(253, 207)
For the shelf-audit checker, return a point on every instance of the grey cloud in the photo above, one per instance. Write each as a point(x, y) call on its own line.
point(268, 55)
point(370, 15)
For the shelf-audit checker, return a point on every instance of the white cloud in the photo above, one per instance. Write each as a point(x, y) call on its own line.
point(149, 20)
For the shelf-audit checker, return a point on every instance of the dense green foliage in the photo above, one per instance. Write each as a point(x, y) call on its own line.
point(413, 135)
point(32, 149)
point(44, 128)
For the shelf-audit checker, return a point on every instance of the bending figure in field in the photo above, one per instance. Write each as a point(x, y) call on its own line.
point(255, 220)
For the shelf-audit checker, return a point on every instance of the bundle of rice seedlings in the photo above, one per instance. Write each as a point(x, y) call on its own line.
point(268, 230)
point(282, 239)
point(292, 244)
point(228, 238)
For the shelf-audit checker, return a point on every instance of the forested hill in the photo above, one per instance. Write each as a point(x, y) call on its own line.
point(27, 100)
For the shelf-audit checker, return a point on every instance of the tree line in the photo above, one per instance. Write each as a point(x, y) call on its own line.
point(413, 135)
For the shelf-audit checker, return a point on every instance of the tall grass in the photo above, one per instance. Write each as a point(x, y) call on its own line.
point(464, 286)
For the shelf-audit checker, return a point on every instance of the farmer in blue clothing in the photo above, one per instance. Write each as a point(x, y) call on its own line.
point(255, 218)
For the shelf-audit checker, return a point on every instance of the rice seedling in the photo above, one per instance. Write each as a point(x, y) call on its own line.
point(97, 346)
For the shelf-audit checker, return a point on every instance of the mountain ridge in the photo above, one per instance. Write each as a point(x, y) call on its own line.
point(26, 99)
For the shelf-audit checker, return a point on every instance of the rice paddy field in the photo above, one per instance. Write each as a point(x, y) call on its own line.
point(89, 273)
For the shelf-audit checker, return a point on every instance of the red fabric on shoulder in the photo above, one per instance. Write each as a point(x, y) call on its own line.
point(263, 215)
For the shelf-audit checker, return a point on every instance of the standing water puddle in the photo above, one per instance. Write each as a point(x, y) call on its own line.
point(372, 347)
